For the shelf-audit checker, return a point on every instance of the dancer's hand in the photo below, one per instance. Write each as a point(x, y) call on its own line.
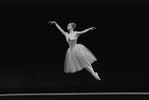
point(92, 28)
point(52, 22)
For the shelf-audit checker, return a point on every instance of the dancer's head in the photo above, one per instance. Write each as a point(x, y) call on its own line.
point(71, 26)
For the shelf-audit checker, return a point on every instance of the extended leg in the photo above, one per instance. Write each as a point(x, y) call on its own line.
point(95, 74)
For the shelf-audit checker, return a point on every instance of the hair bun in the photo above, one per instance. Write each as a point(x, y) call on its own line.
point(73, 25)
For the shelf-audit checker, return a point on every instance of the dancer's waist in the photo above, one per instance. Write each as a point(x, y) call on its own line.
point(72, 43)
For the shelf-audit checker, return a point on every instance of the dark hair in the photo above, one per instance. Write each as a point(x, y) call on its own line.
point(73, 25)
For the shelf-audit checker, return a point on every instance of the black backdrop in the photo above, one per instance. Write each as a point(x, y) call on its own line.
point(33, 51)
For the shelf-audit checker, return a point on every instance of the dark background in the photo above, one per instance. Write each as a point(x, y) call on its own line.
point(33, 51)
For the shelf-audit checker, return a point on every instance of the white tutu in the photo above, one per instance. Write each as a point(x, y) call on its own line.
point(78, 58)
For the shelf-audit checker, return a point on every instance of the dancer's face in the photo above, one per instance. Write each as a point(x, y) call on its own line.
point(69, 27)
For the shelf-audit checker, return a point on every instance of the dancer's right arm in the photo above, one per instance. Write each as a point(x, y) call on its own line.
point(62, 31)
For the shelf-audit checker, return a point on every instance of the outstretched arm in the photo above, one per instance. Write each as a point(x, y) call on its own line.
point(53, 22)
point(86, 30)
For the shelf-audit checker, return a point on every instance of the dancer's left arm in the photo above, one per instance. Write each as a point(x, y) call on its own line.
point(86, 30)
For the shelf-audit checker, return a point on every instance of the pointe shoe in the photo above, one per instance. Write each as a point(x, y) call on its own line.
point(96, 76)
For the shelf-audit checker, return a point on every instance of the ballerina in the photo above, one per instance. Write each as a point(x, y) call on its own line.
point(77, 55)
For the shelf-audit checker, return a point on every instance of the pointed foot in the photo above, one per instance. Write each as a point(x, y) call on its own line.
point(96, 76)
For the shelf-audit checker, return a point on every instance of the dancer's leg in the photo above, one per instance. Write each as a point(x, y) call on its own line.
point(90, 69)
point(95, 74)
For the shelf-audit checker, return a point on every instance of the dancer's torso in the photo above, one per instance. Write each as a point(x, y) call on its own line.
point(72, 40)
point(72, 43)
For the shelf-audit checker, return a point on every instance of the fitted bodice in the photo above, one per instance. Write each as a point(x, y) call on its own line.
point(72, 39)
point(72, 43)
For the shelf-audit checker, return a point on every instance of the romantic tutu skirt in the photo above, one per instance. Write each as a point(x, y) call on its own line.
point(78, 58)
